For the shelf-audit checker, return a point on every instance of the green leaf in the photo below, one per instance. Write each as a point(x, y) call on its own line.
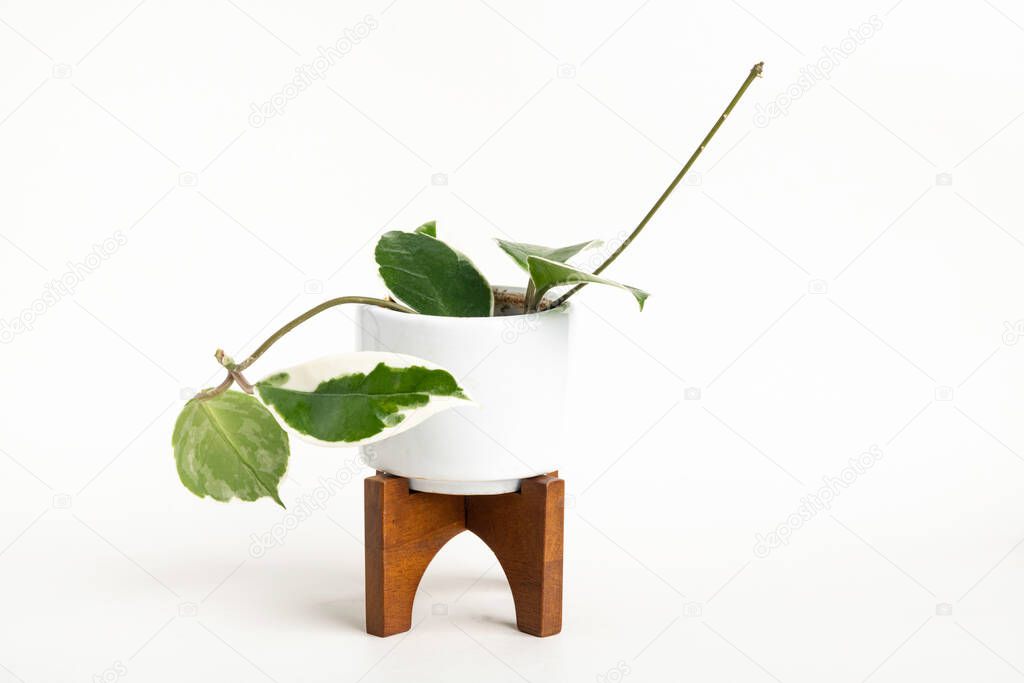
point(520, 251)
point(359, 398)
point(431, 277)
point(547, 274)
point(429, 228)
point(230, 446)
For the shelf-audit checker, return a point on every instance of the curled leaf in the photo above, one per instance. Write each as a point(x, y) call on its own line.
point(547, 274)
point(520, 251)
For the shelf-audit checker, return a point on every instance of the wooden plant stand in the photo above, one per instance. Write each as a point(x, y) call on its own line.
point(405, 529)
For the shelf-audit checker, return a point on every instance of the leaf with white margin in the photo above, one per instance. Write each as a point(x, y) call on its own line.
point(547, 274)
point(230, 446)
point(357, 398)
point(521, 252)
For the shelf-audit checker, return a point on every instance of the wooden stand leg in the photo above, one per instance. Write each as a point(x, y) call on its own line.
point(404, 530)
point(525, 532)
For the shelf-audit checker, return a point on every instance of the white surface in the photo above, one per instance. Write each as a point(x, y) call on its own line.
point(514, 368)
point(811, 280)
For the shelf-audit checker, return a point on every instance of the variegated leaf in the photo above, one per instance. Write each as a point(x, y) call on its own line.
point(358, 398)
point(230, 446)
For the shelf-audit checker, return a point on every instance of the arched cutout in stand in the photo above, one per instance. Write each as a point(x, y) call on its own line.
point(406, 529)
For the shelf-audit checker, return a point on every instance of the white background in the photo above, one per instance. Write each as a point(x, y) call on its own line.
point(816, 280)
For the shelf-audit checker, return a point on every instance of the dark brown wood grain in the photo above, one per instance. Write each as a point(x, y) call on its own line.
point(405, 529)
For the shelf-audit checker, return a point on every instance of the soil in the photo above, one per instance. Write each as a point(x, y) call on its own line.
point(508, 303)
point(512, 303)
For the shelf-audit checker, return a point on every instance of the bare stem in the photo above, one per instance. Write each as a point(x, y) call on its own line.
point(755, 72)
point(235, 369)
point(330, 303)
point(219, 389)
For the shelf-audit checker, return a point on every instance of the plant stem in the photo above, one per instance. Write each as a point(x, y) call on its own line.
point(219, 389)
point(235, 370)
point(528, 306)
point(755, 72)
point(330, 303)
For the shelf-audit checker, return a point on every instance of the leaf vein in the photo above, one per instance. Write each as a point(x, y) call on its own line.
point(223, 435)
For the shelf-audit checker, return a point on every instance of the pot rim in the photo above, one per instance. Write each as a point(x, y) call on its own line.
point(387, 312)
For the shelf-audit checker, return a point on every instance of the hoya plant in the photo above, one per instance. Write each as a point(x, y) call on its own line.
point(231, 444)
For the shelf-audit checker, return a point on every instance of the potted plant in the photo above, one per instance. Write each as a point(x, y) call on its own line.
point(419, 359)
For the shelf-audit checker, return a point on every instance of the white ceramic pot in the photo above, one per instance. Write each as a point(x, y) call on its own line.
point(513, 367)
